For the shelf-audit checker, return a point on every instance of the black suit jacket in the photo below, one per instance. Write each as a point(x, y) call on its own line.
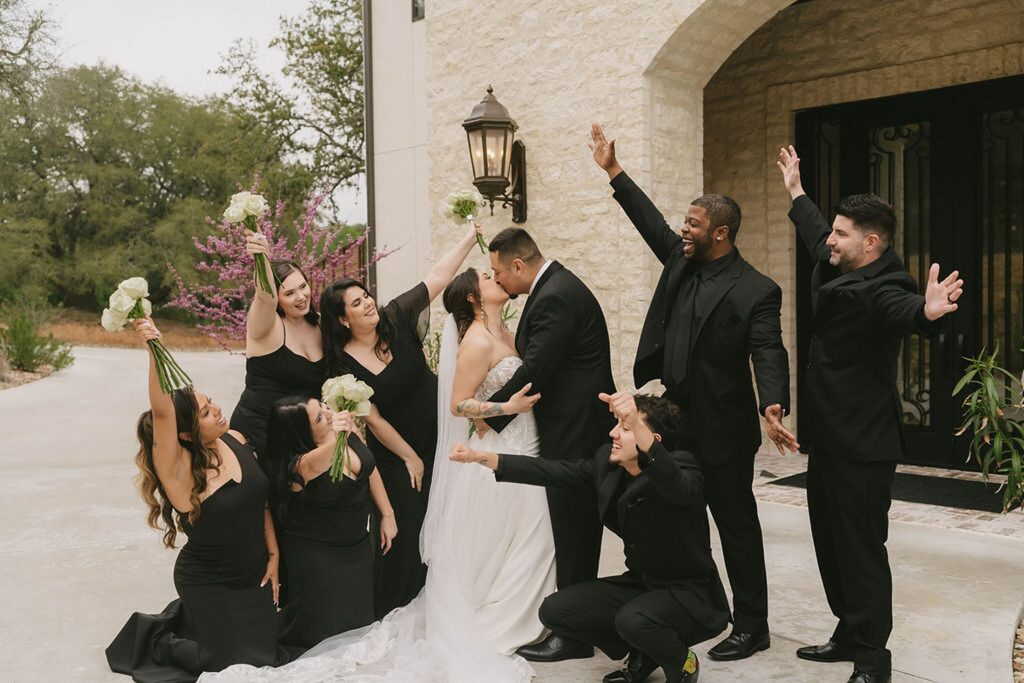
point(659, 515)
point(852, 408)
point(742, 325)
point(563, 341)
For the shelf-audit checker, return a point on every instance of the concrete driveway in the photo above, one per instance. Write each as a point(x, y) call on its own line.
point(77, 557)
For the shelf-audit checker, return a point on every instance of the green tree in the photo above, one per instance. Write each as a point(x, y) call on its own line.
point(317, 112)
point(25, 46)
point(103, 176)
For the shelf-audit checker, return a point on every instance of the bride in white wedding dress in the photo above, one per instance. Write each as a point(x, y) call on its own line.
point(488, 546)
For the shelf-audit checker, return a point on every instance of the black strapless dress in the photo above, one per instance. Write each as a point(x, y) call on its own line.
point(405, 393)
point(267, 379)
point(222, 616)
point(330, 555)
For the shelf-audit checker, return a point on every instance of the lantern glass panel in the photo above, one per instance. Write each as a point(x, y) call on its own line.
point(497, 163)
point(476, 152)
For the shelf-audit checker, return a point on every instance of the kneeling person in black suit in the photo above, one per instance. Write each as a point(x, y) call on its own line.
point(671, 596)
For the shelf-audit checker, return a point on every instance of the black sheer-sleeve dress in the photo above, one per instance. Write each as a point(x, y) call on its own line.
point(405, 393)
point(222, 616)
point(271, 377)
point(330, 554)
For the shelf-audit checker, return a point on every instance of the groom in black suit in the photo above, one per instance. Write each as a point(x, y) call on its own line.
point(711, 315)
point(563, 340)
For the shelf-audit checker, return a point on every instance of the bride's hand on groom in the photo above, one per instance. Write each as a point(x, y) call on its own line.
point(520, 402)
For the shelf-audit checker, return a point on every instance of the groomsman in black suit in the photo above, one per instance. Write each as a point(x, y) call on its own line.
point(562, 338)
point(649, 494)
point(864, 302)
point(711, 315)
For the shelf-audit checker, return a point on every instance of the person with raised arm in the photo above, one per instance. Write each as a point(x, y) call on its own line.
point(712, 317)
point(197, 475)
point(864, 302)
point(383, 347)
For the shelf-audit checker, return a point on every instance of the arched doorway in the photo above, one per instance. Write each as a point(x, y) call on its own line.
point(874, 79)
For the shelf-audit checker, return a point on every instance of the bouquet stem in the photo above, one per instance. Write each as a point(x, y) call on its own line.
point(339, 463)
point(168, 372)
point(260, 260)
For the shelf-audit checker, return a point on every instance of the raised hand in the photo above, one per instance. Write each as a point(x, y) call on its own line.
point(789, 164)
point(256, 243)
point(343, 421)
point(520, 402)
point(146, 329)
point(603, 151)
point(940, 297)
point(623, 406)
point(776, 430)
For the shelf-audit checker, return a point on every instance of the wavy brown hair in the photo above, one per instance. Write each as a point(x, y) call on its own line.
point(162, 515)
point(456, 299)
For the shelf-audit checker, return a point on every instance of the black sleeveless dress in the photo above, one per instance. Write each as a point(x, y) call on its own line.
point(405, 393)
point(222, 616)
point(269, 378)
point(330, 555)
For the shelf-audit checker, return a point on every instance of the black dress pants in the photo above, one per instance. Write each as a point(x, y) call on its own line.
point(848, 503)
point(576, 530)
point(622, 613)
point(728, 490)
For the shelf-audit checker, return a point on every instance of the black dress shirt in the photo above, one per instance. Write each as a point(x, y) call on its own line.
point(690, 306)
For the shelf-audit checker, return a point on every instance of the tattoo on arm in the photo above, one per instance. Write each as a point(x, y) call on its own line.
point(473, 408)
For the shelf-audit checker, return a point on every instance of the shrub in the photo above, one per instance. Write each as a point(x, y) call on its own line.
point(22, 344)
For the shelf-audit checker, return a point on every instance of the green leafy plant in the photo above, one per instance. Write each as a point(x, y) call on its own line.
point(432, 350)
point(994, 416)
point(21, 342)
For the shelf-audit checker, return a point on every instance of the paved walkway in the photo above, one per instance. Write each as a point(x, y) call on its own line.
point(77, 557)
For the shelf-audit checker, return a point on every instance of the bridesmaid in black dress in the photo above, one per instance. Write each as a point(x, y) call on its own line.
point(284, 356)
point(196, 473)
point(384, 349)
point(329, 549)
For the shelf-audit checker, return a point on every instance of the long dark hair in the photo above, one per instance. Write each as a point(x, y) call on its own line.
point(162, 514)
point(283, 269)
point(335, 335)
point(288, 435)
point(456, 298)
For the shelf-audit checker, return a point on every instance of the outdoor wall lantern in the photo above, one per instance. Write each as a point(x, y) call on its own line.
point(499, 161)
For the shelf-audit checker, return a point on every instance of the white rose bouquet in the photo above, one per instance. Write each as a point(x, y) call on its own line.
point(460, 207)
point(345, 393)
point(129, 302)
point(246, 207)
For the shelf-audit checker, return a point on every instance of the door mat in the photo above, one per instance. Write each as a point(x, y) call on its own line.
point(964, 494)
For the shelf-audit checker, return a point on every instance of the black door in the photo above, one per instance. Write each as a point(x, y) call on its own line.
point(951, 162)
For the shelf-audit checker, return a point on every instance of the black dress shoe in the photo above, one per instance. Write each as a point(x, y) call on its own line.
point(638, 667)
point(829, 652)
point(740, 646)
point(862, 677)
point(555, 648)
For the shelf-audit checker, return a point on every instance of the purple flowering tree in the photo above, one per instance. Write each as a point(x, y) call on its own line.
point(323, 252)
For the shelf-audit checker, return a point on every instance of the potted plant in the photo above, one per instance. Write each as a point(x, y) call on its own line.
point(994, 416)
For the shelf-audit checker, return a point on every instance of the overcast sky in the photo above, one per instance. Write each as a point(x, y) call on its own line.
point(176, 42)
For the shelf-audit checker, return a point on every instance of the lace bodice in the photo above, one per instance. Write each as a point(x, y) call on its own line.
point(520, 436)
